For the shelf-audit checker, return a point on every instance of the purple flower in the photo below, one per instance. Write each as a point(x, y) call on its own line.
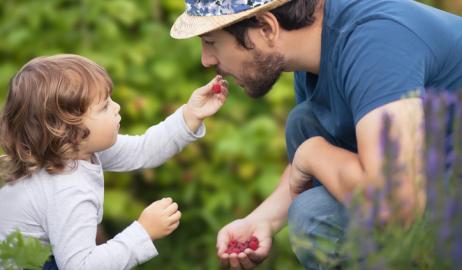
point(457, 251)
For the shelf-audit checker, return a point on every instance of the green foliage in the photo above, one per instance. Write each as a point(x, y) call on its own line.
point(19, 252)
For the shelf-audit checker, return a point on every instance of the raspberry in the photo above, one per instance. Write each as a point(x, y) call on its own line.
point(232, 243)
point(216, 88)
point(253, 245)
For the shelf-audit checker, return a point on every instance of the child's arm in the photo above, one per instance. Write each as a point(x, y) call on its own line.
point(72, 216)
point(162, 141)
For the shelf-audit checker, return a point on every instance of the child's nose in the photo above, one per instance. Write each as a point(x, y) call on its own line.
point(116, 107)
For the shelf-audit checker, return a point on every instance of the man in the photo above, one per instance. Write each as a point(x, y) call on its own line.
point(353, 61)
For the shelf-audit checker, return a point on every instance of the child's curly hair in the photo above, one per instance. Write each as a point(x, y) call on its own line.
point(41, 124)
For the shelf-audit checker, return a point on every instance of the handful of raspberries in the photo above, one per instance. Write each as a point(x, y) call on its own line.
point(238, 247)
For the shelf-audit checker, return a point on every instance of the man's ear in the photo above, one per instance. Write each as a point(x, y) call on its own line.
point(269, 27)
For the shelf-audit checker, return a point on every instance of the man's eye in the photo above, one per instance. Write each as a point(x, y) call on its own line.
point(210, 43)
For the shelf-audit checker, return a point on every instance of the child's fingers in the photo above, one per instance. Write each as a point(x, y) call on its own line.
point(175, 217)
point(222, 91)
point(222, 95)
point(215, 80)
point(210, 87)
point(172, 208)
point(173, 226)
point(165, 201)
point(224, 83)
point(225, 91)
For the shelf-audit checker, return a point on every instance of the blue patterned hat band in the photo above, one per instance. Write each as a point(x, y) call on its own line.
point(221, 7)
point(204, 16)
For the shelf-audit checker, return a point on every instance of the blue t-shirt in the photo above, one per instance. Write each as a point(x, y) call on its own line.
point(376, 52)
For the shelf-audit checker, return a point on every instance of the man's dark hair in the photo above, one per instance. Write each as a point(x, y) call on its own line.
point(291, 16)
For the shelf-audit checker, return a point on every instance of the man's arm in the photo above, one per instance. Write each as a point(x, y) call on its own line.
point(275, 208)
point(342, 172)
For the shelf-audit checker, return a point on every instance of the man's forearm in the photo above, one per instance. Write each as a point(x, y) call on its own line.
point(275, 208)
point(339, 170)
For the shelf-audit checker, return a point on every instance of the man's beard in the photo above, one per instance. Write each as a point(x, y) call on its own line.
point(260, 74)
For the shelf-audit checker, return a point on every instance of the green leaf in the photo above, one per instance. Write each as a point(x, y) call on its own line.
point(17, 251)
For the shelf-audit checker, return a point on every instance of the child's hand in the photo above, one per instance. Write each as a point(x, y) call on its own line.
point(160, 218)
point(204, 102)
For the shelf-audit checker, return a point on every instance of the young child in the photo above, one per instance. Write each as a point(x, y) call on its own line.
point(59, 130)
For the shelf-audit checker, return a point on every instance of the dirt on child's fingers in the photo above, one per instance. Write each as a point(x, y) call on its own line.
point(217, 78)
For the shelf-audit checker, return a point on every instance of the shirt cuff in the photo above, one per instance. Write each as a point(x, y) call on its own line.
point(200, 131)
point(142, 247)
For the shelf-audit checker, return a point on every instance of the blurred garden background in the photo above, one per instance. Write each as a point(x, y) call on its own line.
point(221, 177)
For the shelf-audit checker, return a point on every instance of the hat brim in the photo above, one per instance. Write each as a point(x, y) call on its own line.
point(187, 26)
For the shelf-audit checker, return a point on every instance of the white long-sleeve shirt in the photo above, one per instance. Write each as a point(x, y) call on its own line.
point(64, 209)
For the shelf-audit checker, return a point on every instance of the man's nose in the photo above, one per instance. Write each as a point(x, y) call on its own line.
point(208, 60)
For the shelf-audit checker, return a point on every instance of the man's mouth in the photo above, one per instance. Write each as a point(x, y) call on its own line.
point(222, 73)
point(236, 80)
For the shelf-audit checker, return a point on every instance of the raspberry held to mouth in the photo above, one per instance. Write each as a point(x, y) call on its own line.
point(216, 88)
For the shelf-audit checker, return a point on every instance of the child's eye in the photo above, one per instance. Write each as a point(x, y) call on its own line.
point(105, 106)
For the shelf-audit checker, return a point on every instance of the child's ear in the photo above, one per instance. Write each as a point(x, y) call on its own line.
point(269, 28)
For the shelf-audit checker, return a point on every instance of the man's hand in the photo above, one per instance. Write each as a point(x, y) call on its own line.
point(242, 230)
point(300, 176)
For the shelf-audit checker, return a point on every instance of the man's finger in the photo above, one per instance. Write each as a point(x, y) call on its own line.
point(222, 241)
point(254, 257)
point(245, 261)
point(234, 262)
point(224, 261)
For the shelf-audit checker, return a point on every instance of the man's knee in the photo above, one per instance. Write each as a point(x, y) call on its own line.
point(317, 224)
point(315, 203)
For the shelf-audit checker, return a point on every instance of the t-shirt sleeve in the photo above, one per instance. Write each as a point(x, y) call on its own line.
point(382, 61)
point(71, 227)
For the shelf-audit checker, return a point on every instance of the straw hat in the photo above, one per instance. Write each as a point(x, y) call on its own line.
point(203, 16)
